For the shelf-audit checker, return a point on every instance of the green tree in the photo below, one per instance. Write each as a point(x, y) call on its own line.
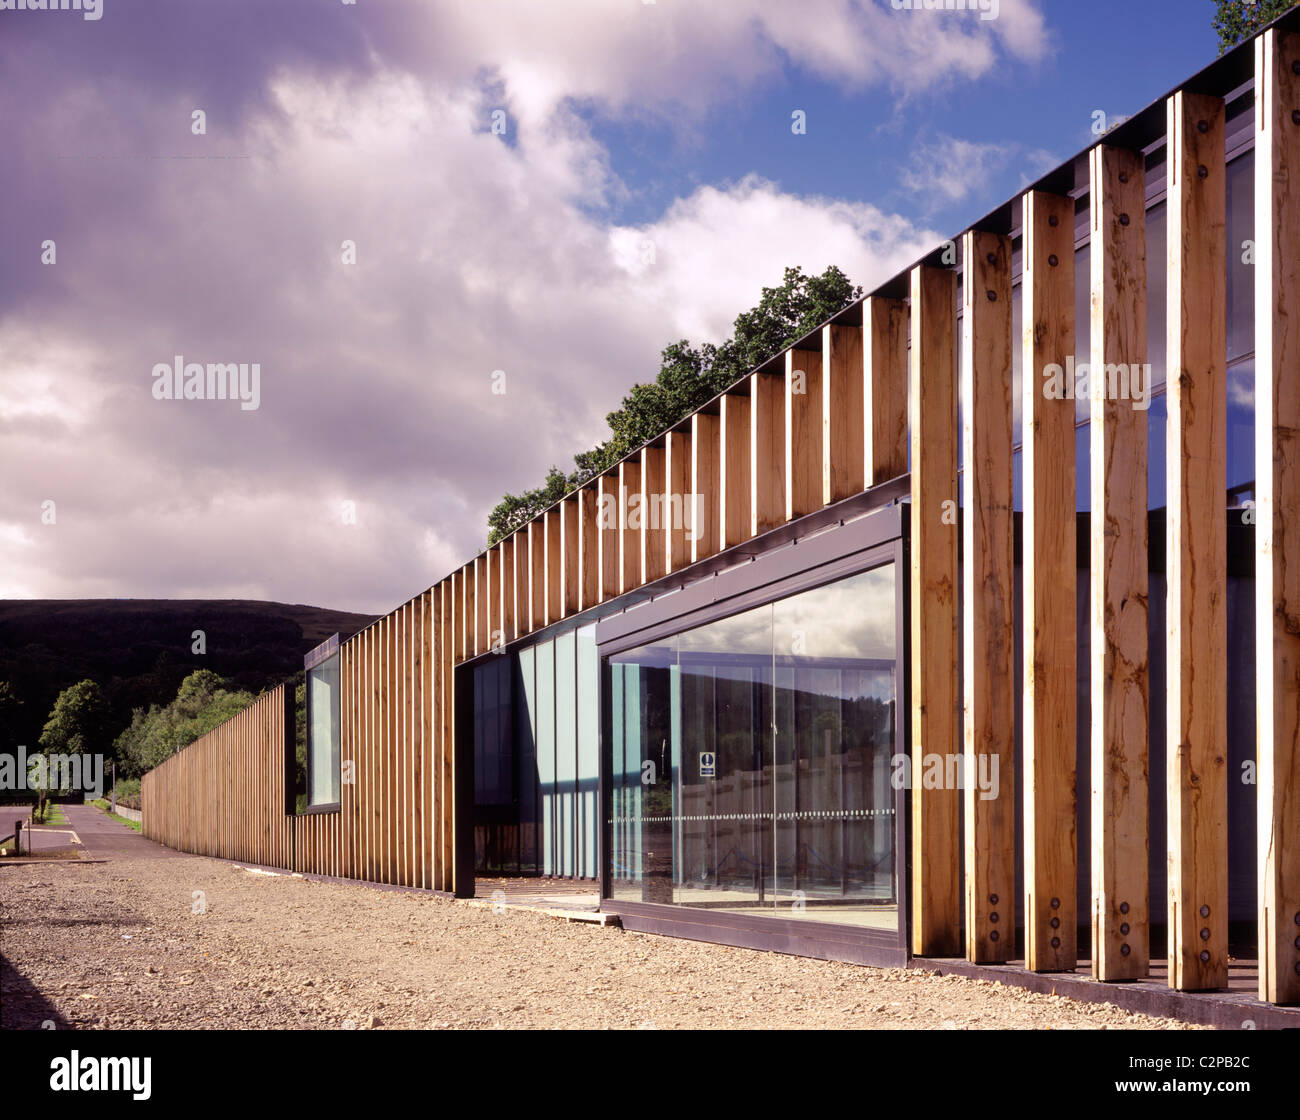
point(203, 701)
point(688, 377)
point(1237, 20)
point(78, 722)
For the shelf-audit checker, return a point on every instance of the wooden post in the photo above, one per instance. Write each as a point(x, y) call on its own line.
point(570, 557)
point(843, 412)
point(630, 514)
point(707, 497)
point(735, 486)
point(1196, 708)
point(1050, 579)
point(766, 451)
point(988, 599)
point(676, 506)
point(1120, 698)
point(885, 396)
point(654, 486)
point(536, 574)
point(936, 850)
point(803, 433)
point(588, 547)
point(608, 514)
point(554, 566)
point(509, 590)
point(1277, 529)
point(494, 633)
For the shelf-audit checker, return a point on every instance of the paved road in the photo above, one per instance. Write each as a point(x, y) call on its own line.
point(104, 838)
point(100, 836)
point(9, 814)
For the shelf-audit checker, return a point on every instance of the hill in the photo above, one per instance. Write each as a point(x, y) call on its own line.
point(139, 650)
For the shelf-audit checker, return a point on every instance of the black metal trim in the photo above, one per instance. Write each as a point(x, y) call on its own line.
point(314, 810)
point(804, 937)
point(463, 785)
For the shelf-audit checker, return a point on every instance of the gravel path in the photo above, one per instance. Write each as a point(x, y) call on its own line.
point(120, 944)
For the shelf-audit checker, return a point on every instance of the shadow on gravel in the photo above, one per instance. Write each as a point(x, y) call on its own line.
point(22, 1007)
point(43, 921)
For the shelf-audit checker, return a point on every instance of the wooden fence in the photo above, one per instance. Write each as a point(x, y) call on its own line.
point(830, 417)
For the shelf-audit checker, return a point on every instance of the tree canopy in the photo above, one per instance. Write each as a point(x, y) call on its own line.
point(688, 377)
point(1237, 20)
point(79, 721)
point(203, 700)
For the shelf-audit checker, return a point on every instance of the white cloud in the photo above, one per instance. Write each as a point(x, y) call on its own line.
point(949, 170)
point(473, 255)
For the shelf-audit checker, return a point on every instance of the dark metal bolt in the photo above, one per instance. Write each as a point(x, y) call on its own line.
point(993, 296)
point(993, 899)
point(1123, 928)
point(1297, 966)
point(992, 258)
point(1297, 942)
point(1295, 116)
point(1123, 219)
point(993, 936)
point(1123, 907)
point(1056, 904)
point(1297, 917)
point(1295, 67)
point(1056, 942)
point(1053, 260)
point(1202, 126)
point(1202, 172)
point(1053, 220)
point(1205, 911)
point(1205, 954)
point(1205, 933)
point(1123, 176)
point(994, 916)
point(1124, 950)
point(1055, 923)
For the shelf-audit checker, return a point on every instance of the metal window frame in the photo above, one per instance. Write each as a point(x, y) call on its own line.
point(870, 541)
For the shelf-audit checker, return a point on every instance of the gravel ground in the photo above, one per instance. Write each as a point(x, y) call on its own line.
point(120, 945)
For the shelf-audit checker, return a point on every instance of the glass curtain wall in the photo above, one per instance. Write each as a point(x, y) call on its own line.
point(536, 727)
point(751, 760)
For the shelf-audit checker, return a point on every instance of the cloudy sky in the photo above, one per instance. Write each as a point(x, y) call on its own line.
point(642, 183)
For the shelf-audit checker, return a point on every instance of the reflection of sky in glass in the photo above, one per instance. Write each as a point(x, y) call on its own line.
point(1241, 276)
point(750, 632)
point(852, 619)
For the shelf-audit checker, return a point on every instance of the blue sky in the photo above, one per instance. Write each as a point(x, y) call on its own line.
point(1112, 55)
point(647, 187)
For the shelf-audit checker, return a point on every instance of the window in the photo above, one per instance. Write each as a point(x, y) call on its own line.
point(751, 766)
point(323, 767)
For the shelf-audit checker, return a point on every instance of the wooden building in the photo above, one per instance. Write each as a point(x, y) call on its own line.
point(966, 627)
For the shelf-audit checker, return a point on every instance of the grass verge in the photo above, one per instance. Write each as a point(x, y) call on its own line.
point(102, 805)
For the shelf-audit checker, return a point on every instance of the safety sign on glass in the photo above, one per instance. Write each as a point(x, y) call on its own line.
point(708, 764)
